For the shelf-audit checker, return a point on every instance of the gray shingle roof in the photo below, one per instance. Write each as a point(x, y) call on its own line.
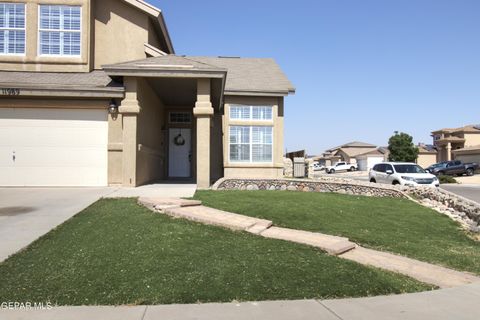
point(94, 79)
point(244, 75)
point(168, 62)
point(251, 74)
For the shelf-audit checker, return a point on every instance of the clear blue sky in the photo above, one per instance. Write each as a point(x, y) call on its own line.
point(362, 69)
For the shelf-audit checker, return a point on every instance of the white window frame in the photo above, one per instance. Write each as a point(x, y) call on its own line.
point(61, 31)
point(250, 143)
point(24, 29)
point(250, 113)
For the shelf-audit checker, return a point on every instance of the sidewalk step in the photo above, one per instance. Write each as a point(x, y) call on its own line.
point(218, 218)
point(162, 203)
point(332, 244)
point(426, 272)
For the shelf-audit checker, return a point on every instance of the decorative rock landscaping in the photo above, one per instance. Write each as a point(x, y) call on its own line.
point(343, 186)
point(460, 209)
point(465, 211)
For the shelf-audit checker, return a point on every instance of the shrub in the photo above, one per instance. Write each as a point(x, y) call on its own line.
point(447, 179)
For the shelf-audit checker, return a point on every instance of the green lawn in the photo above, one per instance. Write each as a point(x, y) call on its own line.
point(399, 226)
point(117, 252)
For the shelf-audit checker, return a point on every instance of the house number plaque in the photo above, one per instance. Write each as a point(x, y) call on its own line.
point(10, 91)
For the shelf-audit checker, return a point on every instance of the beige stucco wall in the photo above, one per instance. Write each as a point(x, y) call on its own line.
point(255, 170)
point(120, 32)
point(112, 32)
point(32, 61)
point(426, 159)
point(151, 154)
point(472, 139)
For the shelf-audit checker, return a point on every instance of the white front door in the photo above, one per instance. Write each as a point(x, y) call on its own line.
point(53, 147)
point(179, 153)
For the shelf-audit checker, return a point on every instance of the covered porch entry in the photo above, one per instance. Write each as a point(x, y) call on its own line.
point(169, 125)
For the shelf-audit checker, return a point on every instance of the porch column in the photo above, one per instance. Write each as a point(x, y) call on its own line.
point(203, 112)
point(129, 109)
point(449, 151)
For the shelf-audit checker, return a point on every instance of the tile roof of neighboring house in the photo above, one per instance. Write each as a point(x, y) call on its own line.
point(467, 149)
point(244, 75)
point(469, 129)
point(451, 139)
point(352, 152)
point(377, 151)
point(425, 150)
point(95, 79)
point(354, 144)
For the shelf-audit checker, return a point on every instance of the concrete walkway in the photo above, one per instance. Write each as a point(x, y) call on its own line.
point(459, 303)
point(166, 189)
point(339, 246)
point(28, 213)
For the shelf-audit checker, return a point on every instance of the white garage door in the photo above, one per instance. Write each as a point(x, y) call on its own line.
point(53, 147)
point(371, 161)
point(365, 164)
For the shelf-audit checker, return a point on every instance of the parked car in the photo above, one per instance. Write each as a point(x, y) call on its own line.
point(341, 166)
point(455, 167)
point(318, 167)
point(402, 173)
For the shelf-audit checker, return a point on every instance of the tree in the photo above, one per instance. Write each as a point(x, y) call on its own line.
point(401, 148)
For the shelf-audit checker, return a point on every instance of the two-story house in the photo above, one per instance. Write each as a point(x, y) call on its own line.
point(458, 143)
point(92, 94)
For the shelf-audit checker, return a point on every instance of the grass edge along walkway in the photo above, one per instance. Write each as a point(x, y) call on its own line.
point(425, 272)
point(119, 253)
point(398, 226)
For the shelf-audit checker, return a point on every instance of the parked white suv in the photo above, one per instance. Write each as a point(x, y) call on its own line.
point(402, 173)
point(341, 166)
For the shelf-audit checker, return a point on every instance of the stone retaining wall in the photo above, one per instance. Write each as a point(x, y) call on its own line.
point(466, 212)
point(458, 208)
point(304, 185)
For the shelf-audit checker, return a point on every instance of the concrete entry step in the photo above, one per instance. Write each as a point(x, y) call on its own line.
point(425, 272)
point(331, 244)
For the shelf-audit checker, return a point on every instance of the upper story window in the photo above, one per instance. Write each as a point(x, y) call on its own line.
point(12, 28)
point(60, 30)
point(256, 113)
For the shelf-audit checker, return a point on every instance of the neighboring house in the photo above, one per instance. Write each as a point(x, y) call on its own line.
point(352, 152)
point(459, 143)
point(427, 155)
point(349, 151)
point(367, 160)
point(93, 95)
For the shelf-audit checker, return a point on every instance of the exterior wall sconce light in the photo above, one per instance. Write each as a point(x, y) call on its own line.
point(113, 108)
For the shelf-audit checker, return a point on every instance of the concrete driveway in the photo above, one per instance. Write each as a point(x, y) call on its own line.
point(471, 192)
point(28, 213)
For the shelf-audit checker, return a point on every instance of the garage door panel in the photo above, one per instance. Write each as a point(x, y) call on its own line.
point(53, 147)
point(71, 177)
point(57, 157)
point(61, 137)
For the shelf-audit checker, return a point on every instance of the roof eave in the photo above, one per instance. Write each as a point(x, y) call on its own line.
point(267, 93)
point(163, 73)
